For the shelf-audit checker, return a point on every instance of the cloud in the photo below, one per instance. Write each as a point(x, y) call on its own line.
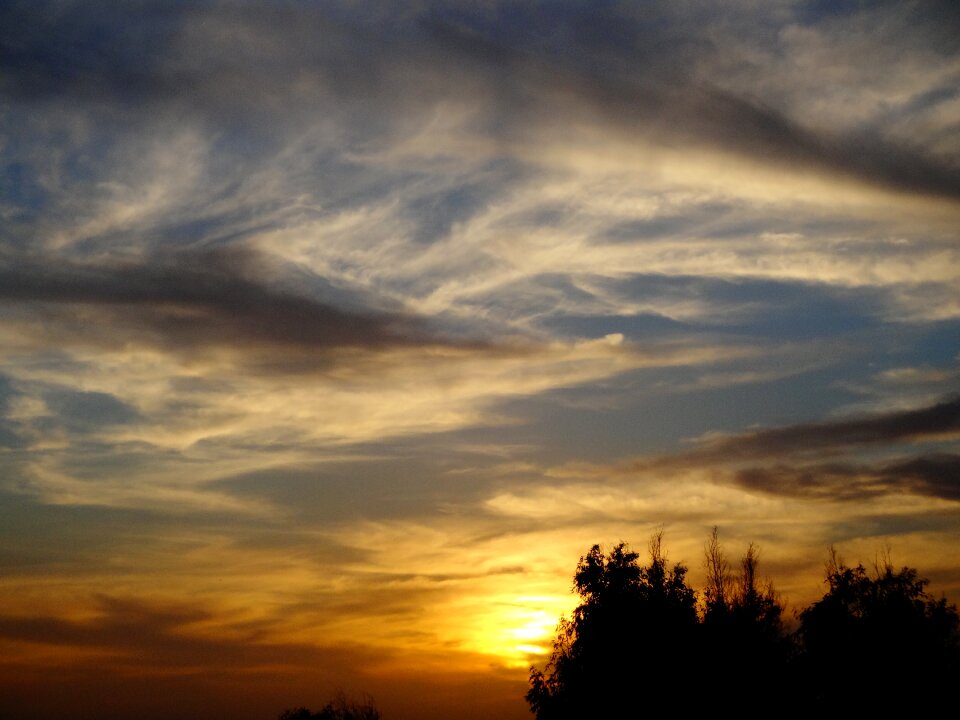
point(653, 82)
point(154, 638)
point(131, 657)
point(9, 435)
point(648, 75)
point(784, 462)
point(53, 48)
point(653, 85)
point(934, 475)
point(421, 153)
point(80, 411)
point(939, 421)
point(194, 299)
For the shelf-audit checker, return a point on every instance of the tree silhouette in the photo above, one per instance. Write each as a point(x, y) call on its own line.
point(634, 624)
point(742, 627)
point(340, 707)
point(635, 644)
point(879, 643)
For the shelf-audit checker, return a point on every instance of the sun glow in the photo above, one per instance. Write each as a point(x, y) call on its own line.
point(519, 631)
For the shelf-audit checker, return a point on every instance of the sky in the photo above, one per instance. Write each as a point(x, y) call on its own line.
point(332, 334)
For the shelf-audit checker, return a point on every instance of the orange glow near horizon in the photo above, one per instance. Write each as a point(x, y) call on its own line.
point(518, 631)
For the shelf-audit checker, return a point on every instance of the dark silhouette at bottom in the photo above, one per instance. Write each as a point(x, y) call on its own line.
point(339, 708)
point(639, 643)
point(878, 644)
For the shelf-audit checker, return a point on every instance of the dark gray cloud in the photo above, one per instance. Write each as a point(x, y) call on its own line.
point(80, 411)
point(930, 475)
point(941, 419)
point(9, 430)
point(825, 460)
point(191, 300)
point(38, 538)
point(936, 475)
point(52, 48)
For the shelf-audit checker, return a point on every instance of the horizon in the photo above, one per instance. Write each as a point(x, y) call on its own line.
point(334, 333)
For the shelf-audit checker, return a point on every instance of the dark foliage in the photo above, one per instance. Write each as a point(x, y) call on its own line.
point(339, 708)
point(742, 628)
point(635, 644)
point(635, 625)
point(895, 646)
point(300, 713)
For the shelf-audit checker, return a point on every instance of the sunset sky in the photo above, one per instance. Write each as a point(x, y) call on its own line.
point(332, 334)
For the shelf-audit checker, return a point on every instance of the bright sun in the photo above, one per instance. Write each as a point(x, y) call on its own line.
point(519, 631)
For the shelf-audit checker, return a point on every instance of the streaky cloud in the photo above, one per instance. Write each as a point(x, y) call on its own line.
point(939, 420)
point(937, 475)
point(933, 475)
point(839, 460)
point(209, 298)
point(151, 636)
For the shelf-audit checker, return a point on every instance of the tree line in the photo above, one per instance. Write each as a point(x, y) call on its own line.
point(642, 640)
point(340, 707)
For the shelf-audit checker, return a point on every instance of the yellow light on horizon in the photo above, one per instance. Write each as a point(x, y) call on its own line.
point(519, 631)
